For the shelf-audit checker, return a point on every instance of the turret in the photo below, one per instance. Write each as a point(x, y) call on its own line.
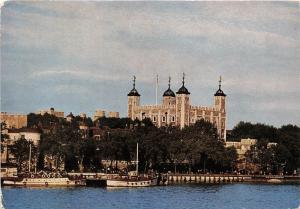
point(220, 97)
point(133, 100)
point(220, 104)
point(169, 96)
point(182, 105)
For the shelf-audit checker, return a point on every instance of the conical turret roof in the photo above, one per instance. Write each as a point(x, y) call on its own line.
point(183, 89)
point(133, 91)
point(169, 92)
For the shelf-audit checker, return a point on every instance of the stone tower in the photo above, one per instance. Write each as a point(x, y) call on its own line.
point(133, 100)
point(183, 106)
point(220, 104)
point(169, 96)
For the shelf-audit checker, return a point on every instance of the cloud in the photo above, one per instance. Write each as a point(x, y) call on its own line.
point(78, 46)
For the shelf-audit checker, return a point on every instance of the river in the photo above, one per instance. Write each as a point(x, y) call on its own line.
point(227, 196)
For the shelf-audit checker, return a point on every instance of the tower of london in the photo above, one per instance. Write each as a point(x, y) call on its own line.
point(176, 109)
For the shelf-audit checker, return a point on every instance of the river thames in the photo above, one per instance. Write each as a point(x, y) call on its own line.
point(227, 196)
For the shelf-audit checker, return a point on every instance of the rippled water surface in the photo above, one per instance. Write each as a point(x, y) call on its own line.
point(252, 196)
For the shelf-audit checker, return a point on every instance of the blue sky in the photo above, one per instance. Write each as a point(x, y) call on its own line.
point(81, 56)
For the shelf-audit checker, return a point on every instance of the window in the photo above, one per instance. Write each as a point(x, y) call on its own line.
point(173, 119)
point(154, 119)
point(163, 118)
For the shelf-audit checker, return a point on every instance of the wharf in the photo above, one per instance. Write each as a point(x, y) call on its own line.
point(227, 178)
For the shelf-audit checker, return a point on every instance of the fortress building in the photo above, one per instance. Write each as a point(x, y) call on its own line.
point(176, 109)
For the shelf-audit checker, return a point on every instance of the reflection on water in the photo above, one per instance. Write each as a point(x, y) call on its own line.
point(171, 197)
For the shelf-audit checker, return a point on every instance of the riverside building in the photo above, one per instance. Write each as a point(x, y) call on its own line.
point(176, 109)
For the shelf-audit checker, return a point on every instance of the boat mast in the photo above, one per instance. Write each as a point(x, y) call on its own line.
point(29, 158)
point(137, 158)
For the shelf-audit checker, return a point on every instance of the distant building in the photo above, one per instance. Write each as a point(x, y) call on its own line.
point(99, 114)
point(30, 134)
point(51, 111)
point(70, 117)
point(97, 133)
point(82, 115)
point(14, 120)
point(245, 145)
point(241, 147)
point(113, 114)
point(176, 109)
point(271, 144)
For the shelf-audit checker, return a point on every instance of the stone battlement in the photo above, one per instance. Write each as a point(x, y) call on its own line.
point(204, 108)
point(155, 107)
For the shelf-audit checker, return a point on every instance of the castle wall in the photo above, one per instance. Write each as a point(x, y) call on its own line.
point(14, 120)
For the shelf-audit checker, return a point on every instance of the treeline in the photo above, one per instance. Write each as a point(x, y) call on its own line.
point(285, 156)
point(196, 148)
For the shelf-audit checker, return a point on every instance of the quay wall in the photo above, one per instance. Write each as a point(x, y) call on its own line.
point(224, 178)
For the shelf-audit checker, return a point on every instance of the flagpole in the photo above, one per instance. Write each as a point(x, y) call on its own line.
point(156, 89)
point(137, 159)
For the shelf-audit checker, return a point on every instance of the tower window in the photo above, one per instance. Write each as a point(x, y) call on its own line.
point(154, 119)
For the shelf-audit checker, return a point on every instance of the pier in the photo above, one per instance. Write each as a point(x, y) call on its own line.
point(224, 178)
point(204, 178)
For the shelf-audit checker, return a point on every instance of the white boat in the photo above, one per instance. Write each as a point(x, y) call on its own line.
point(132, 179)
point(131, 182)
point(59, 181)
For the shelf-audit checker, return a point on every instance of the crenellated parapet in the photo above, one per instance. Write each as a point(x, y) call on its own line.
point(205, 108)
point(155, 107)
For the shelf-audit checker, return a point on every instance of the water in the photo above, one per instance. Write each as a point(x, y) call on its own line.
point(231, 196)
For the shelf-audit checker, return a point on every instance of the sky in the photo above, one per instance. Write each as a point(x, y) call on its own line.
point(81, 56)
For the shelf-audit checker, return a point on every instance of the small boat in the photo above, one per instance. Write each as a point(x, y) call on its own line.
point(42, 179)
point(62, 181)
point(132, 179)
point(274, 181)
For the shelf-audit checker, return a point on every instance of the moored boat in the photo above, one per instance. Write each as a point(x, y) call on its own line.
point(132, 179)
point(42, 182)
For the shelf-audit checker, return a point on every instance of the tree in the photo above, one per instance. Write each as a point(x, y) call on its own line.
point(21, 149)
point(62, 143)
point(285, 156)
point(230, 158)
point(113, 123)
point(4, 136)
point(38, 120)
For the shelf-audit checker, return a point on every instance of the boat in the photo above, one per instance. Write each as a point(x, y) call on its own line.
point(132, 179)
point(274, 181)
point(42, 180)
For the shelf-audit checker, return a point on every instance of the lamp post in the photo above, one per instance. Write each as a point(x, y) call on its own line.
point(98, 161)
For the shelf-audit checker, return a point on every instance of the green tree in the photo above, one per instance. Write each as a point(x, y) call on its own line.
point(21, 149)
point(4, 136)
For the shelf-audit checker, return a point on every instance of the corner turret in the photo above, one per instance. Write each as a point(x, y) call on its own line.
point(133, 100)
